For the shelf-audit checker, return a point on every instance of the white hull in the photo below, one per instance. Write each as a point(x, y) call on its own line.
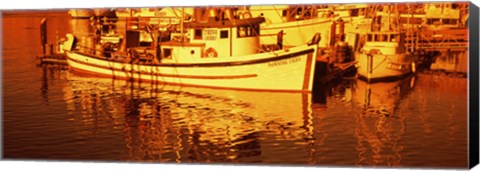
point(297, 32)
point(385, 66)
point(290, 71)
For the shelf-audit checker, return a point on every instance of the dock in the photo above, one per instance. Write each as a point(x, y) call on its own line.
point(445, 50)
point(51, 53)
point(438, 40)
point(54, 59)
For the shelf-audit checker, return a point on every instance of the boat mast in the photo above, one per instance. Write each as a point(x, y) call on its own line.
point(389, 20)
point(397, 17)
point(181, 25)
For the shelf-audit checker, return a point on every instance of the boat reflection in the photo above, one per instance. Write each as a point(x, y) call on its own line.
point(186, 124)
point(50, 73)
point(380, 125)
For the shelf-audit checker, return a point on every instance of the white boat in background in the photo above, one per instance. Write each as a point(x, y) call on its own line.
point(162, 16)
point(384, 56)
point(435, 16)
point(355, 16)
point(439, 16)
point(88, 13)
point(81, 13)
point(295, 24)
point(212, 52)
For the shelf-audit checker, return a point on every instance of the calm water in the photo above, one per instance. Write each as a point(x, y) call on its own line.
point(49, 113)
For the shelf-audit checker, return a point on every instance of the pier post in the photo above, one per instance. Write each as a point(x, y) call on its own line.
point(43, 35)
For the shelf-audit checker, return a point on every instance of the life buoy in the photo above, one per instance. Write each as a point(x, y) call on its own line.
point(210, 52)
point(246, 15)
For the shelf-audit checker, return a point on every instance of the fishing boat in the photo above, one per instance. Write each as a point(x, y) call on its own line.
point(384, 56)
point(216, 50)
point(356, 16)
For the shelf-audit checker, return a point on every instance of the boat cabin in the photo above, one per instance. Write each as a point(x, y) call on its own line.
point(386, 42)
point(221, 34)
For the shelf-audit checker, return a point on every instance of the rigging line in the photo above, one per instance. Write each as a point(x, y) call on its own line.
point(283, 21)
point(175, 12)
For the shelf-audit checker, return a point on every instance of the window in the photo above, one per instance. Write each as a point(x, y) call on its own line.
point(247, 31)
point(198, 34)
point(354, 12)
point(446, 21)
point(223, 34)
point(385, 38)
point(167, 53)
point(454, 22)
point(433, 21)
point(377, 38)
point(284, 13)
point(369, 37)
point(449, 21)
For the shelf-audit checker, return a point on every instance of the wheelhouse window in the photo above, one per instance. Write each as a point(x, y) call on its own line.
point(354, 12)
point(450, 21)
point(369, 37)
point(248, 31)
point(223, 34)
point(433, 21)
point(410, 20)
point(198, 34)
point(167, 53)
point(284, 13)
point(376, 38)
point(383, 38)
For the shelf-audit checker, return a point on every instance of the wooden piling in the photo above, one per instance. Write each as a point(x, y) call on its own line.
point(43, 35)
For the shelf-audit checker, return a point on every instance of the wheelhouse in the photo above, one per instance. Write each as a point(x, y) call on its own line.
point(384, 37)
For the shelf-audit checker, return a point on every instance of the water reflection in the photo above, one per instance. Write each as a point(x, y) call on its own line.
point(49, 74)
point(364, 124)
point(183, 124)
point(381, 125)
